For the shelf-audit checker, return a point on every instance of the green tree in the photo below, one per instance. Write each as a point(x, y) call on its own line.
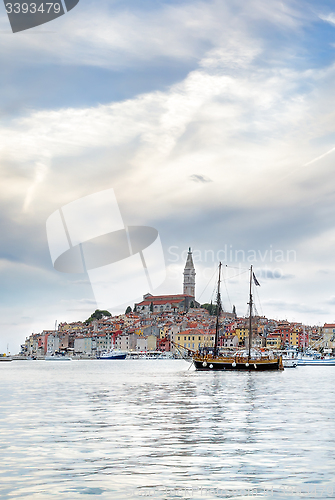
point(98, 314)
point(152, 307)
point(210, 308)
point(128, 310)
point(192, 304)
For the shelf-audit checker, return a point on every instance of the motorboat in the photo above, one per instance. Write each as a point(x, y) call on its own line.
point(113, 355)
point(290, 359)
point(5, 357)
point(57, 357)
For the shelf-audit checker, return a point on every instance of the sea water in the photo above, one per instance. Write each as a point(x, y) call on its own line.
point(111, 429)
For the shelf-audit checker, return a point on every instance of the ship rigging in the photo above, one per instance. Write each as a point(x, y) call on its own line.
point(249, 359)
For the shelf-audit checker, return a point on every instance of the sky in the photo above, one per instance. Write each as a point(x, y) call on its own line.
point(214, 123)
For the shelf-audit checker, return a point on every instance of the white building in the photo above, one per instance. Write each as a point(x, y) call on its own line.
point(52, 343)
point(83, 345)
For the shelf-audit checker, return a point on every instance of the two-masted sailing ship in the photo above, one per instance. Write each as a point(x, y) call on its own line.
point(247, 359)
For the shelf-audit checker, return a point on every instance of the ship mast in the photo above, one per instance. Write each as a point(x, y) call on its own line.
point(218, 310)
point(250, 314)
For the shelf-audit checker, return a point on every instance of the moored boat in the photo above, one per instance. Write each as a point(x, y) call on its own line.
point(240, 362)
point(290, 359)
point(5, 357)
point(316, 361)
point(57, 357)
point(212, 359)
point(113, 355)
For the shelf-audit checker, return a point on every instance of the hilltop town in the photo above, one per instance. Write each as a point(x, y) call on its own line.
point(159, 322)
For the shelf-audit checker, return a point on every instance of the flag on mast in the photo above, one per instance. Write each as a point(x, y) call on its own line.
point(255, 280)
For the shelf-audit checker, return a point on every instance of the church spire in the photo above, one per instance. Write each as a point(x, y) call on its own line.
point(189, 275)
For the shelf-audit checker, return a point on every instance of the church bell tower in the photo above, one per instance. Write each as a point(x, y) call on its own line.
point(189, 275)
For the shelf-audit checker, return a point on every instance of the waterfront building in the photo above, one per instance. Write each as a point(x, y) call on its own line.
point(273, 341)
point(242, 333)
point(328, 336)
point(141, 344)
point(63, 341)
point(101, 343)
point(83, 345)
point(164, 344)
point(229, 341)
point(52, 344)
point(126, 342)
point(193, 339)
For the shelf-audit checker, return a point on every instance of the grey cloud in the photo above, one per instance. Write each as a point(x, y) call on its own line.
point(200, 178)
point(296, 307)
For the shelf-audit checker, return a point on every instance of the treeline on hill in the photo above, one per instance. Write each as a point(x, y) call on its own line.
point(212, 308)
point(98, 314)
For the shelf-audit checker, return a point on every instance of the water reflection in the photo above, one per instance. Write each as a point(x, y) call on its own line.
point(118, 430)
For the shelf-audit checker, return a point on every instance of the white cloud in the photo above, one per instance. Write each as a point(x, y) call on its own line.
point(329, 18)
point(114, 37)
point(199, 123)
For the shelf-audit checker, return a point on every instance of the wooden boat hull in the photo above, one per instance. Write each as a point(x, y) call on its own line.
point(202, 364)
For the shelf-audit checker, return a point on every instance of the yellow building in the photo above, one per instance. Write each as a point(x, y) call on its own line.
point(194, 339)
point(273, 341)
point(163, 332)
point(242, 334)
point(151, 343)
point(294, 337)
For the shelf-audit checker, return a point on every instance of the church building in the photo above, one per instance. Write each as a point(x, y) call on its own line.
point(173, 303)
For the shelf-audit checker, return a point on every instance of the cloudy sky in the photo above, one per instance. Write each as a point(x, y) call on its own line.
point(213, 121)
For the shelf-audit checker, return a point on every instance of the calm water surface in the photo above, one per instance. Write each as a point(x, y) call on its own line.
point(157, 429)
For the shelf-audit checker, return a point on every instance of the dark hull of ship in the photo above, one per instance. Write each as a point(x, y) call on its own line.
point(114, 356)
point(217, 365)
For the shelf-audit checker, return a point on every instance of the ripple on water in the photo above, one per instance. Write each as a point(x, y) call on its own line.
point(133, 428)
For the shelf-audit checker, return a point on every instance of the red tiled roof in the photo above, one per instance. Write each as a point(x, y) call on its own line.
point(194, 332)
point(163, 299)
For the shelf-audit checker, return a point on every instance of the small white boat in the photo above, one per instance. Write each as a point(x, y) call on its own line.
point(4, 357)
point(57, 357)
point(290, 363)
point(290, 358)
